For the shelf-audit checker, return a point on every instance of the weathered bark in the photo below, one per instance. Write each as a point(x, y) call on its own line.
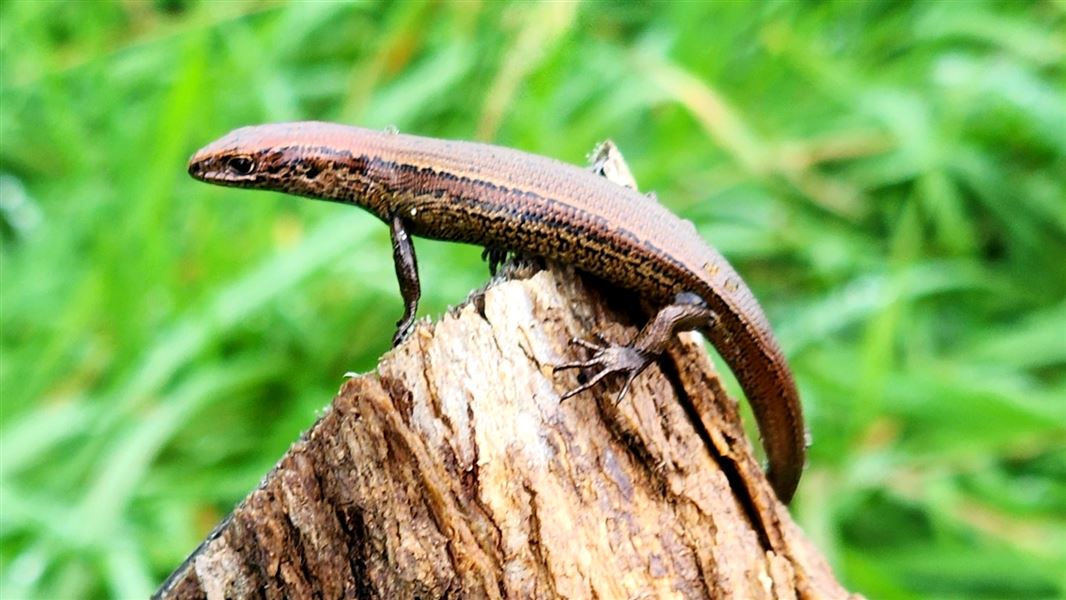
point(455, 471)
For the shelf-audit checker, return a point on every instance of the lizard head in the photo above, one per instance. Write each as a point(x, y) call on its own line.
point(284, 157)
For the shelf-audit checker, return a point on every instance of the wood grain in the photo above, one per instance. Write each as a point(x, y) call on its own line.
point(455, 471)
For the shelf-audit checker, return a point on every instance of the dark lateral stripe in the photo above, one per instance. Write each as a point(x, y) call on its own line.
point(546, 216)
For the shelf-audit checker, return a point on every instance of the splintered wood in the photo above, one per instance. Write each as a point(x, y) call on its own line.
point(455, 471)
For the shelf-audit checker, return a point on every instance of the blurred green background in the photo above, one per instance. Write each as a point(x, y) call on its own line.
point(888, 177)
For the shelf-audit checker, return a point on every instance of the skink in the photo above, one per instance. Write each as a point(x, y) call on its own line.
point(508, 200)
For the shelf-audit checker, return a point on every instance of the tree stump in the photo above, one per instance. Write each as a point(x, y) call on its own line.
point(455, 471)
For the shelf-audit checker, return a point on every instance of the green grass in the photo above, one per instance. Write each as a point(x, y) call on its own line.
point(889, 178)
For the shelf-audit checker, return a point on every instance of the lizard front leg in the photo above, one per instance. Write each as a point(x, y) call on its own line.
point(403, 256)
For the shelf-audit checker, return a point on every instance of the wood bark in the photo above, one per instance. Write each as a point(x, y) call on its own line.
point(455, 471)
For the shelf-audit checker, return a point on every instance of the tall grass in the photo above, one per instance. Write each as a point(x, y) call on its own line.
point(887, 176)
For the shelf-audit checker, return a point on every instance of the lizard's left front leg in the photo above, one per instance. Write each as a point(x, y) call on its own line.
point(403, 256)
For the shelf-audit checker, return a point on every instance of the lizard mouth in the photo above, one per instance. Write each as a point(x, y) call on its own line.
point(196, 168)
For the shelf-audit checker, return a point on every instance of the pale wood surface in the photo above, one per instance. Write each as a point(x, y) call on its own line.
point(456, 471)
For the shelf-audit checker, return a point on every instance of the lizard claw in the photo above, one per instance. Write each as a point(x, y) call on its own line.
point(495, 257)
point(608, 358)
point(404, 327)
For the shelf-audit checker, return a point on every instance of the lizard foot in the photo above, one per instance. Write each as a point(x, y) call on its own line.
point(404, 327)
point(495, 257)
point(609, 358)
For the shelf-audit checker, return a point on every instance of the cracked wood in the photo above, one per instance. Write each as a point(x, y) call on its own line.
point(454, 471)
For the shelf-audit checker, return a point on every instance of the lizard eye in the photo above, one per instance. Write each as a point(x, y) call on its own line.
point(240, 165)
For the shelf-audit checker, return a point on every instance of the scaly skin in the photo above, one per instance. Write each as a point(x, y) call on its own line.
point(506, 199)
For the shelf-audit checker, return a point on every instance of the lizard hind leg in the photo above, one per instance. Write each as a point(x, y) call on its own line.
point(608, 358)
point(688, 311)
